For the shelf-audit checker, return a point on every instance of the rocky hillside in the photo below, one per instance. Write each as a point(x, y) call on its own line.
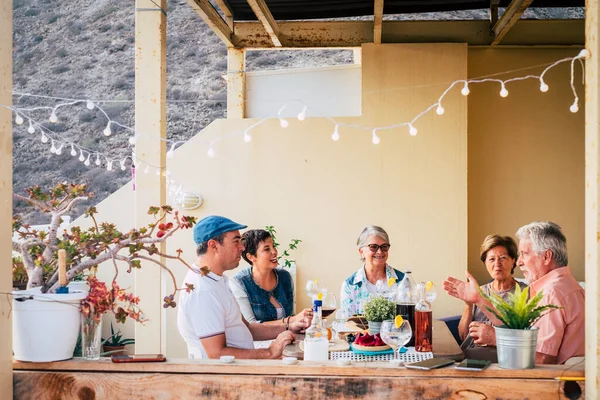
point(84, 49)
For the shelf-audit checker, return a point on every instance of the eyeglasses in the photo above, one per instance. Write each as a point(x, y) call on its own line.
point(375, 247)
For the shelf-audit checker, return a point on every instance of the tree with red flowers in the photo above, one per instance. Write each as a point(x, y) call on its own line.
point(89, 248)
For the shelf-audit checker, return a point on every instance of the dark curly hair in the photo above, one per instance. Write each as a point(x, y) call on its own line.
point(251, 240)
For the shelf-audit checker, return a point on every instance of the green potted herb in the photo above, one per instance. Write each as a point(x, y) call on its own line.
point(115, 343)
point(516, 340)
point(283, 259)
point(377, 310)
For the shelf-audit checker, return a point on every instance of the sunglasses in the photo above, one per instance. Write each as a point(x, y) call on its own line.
point(375, 247)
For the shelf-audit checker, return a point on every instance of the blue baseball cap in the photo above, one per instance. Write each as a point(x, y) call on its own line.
point(212, 226)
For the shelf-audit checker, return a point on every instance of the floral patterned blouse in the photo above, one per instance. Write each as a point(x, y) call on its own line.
point(355, 292)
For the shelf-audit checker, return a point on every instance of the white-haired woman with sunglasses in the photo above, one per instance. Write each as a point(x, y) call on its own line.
point(373, 247)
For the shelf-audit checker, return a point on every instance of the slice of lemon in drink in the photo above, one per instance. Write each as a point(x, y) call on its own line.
point(428, 285)
point(320, 296)
point(391, 281)
point(398, 321)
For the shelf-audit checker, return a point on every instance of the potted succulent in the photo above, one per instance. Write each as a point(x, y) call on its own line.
point(516, 340)
point(377, 310)
point(115, 343)
point(85, 249)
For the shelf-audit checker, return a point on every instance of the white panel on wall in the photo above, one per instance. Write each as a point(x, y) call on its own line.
point(326, 91)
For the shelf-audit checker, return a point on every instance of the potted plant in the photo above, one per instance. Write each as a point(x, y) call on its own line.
point(377, 310)
point(115, 343)
point(85, 250)
point(516, 340)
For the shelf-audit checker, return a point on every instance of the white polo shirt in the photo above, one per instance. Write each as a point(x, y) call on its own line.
point(210, 310)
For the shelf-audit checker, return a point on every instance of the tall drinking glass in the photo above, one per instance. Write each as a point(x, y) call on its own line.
point(395, 337)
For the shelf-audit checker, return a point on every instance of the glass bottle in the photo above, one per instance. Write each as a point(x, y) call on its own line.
point(406, 297)
point(316, 342)
point(423, 321)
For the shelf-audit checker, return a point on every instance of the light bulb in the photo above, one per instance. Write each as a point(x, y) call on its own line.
point(59, 150)
point(412, 130)
point(19, 120)
point(81, 157)
point(44, 138)
point(53, 117)
point(171, 152)
point(146, 169)
point(302, 114)
point(123, 165)
point(132, 140)
point(247, 137)
point(73, 152)
point(90, 105)
point(211, 152)
point(157, 172)
point(98, 159)
point(336, 134)
point(439, 110)
point(108, 165)
point(574, 107)
point(283, 123)
point(503, 91)
point(31, 129)
point(107, 131)
point(375, 139)
point(465, 90)
point(543, 87)
point(87, 160)
point(583, 53)
point(53, 148)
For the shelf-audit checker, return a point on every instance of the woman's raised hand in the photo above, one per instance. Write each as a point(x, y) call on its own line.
point(465, 291)
point(302, 320)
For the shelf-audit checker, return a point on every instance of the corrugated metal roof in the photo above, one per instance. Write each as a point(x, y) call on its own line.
point(317, 9)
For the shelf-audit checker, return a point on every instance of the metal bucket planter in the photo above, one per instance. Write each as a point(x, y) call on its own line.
point(516, 347)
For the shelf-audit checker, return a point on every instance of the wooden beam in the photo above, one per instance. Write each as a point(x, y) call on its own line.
point(510, 17)
point(592, 200)
point(227, 12)
point(494, 11)
point(212, 18)
point(6, 191)
point(150, 189)
point(306, 34)
point(377, 21)
point(236, 83)
point(262, 12)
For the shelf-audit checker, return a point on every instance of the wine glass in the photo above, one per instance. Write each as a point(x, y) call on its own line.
point(430, 292)
point(395, 337)
point(314, 287)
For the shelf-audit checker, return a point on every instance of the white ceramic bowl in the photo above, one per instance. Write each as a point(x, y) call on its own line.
point(290, 360)
point(227, 359)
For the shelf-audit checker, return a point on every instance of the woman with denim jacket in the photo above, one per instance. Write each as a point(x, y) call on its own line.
point(264, 292)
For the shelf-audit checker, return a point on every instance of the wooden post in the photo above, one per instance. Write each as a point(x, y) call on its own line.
point(357, 54)
point(236, 83)
point(6, 374)
point(150, 125)
point(592, 199)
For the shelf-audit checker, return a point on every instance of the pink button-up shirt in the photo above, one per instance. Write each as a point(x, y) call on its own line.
point(561, 332)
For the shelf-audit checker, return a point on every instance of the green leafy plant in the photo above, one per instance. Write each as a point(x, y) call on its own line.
point(293, 245)
point(116, 338)
point(378, 309)
point(518, 312)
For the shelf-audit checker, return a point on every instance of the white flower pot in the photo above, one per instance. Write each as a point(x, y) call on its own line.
point(374, 327)
point(45, 326)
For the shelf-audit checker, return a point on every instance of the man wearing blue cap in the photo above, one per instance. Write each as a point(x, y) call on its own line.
point(208, 317)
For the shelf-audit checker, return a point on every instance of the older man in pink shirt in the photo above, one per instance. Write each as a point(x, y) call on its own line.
point(543, 261)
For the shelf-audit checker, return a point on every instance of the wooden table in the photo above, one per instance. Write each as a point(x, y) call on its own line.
point(271, 379)
point(444, 344)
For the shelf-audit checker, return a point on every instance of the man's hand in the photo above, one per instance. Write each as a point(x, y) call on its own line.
point(301, 321)
point(482, 334)
point(465, 291)
point(282, 340)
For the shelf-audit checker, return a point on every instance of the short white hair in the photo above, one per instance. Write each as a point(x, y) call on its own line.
point(546, 236)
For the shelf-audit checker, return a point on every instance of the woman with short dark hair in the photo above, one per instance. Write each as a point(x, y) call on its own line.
point(264, 292)
point(499, 255)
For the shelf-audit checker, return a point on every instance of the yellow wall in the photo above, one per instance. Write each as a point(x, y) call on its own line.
point(525, 151)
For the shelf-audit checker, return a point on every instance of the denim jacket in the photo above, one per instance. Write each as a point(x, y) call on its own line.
point(259, 298)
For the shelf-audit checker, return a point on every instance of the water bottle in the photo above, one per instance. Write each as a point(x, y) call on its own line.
point(316, 342)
